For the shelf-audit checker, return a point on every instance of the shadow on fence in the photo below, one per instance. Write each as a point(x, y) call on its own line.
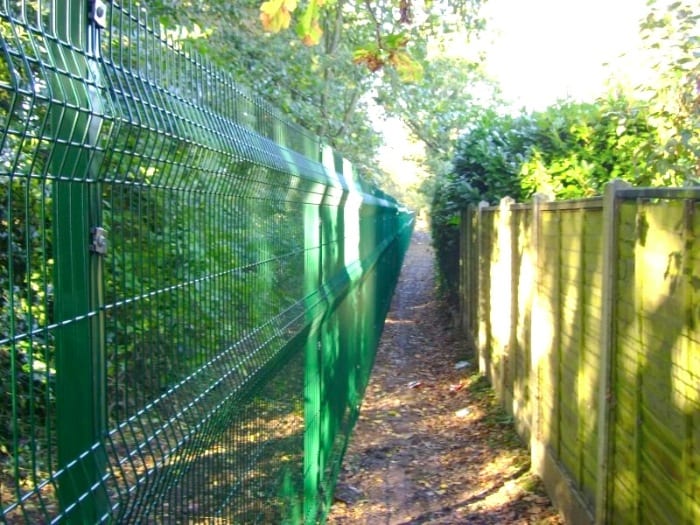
point(191, 288)
point(586, 318)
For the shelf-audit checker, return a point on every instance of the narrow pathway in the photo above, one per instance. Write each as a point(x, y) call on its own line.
point(431, 445)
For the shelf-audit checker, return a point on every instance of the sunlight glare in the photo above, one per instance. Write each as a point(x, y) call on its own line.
point(545, 50)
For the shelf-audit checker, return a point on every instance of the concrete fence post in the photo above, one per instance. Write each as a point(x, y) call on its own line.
point(502, 324)
point(536, 443)
point(607, 329)
point(479, 334)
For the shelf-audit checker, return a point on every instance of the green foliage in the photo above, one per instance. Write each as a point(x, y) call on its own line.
point(436, 110)
point(568, 151)
point(322, 89)
point(391, 37)
point(26, 263)
point(485, 168)
point(451, 195)
point(672, 41)
point(439, 106)
point(489, 155)
point(575, 148)
point(318, 87)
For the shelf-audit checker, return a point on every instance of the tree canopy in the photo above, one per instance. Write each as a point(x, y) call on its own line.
point(395, 25)
point(365, 60)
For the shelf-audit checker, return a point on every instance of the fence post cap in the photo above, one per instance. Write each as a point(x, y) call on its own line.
point(618, 184)
point(506, 202)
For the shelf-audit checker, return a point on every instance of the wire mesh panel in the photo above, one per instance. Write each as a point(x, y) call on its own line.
point(191, 295)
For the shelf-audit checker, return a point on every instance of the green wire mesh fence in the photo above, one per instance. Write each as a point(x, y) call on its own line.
point(192, 289)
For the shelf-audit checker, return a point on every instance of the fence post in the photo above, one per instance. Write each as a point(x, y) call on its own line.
point(312, 401)
point(313, 280)
point(503, 326)
point(537, 445)
point(78, 245)
point(465, 285)
point(607, 328)
point(478, 334)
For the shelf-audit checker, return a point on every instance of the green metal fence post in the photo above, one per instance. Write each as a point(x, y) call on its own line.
point(78, 247)
point(312, 401)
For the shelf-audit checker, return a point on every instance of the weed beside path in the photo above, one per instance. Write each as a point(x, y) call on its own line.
point(431, 445)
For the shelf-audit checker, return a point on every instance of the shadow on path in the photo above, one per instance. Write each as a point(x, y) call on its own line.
point(431, 445)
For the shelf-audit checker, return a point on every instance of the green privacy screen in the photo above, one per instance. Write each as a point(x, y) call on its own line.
point(191, 288)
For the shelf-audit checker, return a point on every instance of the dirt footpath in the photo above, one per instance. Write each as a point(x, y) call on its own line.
point(431, 445)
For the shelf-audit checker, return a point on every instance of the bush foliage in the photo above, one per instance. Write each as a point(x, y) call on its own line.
point(568, 151)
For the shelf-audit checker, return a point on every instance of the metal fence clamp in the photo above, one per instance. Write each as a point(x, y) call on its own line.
point(98, 240)
point(98, 13)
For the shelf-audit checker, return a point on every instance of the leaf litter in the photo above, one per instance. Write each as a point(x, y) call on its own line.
point(432, 446)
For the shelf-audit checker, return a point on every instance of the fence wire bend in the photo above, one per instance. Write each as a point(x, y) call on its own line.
point(192, 288)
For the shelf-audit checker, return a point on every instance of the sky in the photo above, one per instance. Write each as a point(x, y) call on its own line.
point(543, 50)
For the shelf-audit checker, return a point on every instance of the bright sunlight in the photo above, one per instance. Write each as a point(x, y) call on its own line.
point(545, 50)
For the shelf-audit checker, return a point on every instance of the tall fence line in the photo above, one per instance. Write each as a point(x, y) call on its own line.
point(586, 319)
point(192, 288)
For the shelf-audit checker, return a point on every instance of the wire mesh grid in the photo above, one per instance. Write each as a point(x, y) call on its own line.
point(171, 252)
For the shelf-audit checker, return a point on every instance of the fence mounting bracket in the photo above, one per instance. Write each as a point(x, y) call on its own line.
point(98, 13)
point(98, 240)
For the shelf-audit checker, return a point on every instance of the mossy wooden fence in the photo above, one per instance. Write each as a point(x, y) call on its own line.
point(586, 318)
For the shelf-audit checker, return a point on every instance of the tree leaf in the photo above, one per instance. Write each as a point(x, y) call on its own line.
point(276, 15)
point(370, 57)
point(308, 28)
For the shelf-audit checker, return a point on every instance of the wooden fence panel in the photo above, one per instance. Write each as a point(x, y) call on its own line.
point(522, 290)
point(547, 331)
point(589, 371)
point(655, 383)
